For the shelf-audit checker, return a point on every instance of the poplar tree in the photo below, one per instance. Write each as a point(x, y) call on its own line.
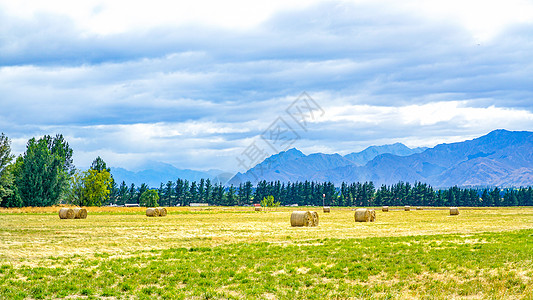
point(8, 193)
point(43, 172)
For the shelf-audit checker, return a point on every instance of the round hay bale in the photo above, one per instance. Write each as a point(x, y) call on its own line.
point(314, 214)
point(152, 212)
point(258, 208)
point(67, 213)
point(385, 208)
point(301, 218)
point(80, 213)
point(162, 211)
point(372, 215)
point(418, 208)
point(327, 209)
point(362, 215)
point(407, 208)
point(454, 211)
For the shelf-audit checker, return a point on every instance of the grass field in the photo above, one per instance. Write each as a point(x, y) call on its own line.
point(204, 253)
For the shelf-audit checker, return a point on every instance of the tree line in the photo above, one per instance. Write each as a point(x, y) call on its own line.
point(45, 175)
point(182, 193)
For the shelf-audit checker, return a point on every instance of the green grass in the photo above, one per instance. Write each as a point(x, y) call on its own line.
point(232, 255)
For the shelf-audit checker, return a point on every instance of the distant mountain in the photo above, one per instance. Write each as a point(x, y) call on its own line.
point(501, 158)
point(291, 165)
point(155, 173)
point(361, 158)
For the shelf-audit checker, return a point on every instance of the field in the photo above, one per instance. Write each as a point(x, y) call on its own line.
point(235, 253)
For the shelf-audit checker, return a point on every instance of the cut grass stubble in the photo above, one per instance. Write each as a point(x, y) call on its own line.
point(242, 254)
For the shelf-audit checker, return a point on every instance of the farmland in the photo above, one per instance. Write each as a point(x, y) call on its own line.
point(222, 252)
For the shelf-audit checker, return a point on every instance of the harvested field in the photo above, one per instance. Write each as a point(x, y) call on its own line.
point(118, 252)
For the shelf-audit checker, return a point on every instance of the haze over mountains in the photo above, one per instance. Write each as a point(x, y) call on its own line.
point(155, 173)
point(500, 158)
point(361, 158)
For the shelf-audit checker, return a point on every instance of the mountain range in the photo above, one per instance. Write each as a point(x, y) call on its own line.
point(500, 158)
point(154, 173)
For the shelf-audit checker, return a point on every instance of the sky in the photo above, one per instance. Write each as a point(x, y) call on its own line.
point(208, 84)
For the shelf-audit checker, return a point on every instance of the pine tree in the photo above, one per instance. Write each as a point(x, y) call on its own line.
point(485, 198)
point(168, 194)
point(193, 193)
point(122, 193)
point(207, 191)
point(231, 196)
point(143, 188)
point(132, 194)
point(201, 186)
point(496, 197)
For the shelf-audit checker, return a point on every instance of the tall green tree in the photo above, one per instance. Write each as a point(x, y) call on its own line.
point(122, 193)
point(114, 194)
point(43, 172)
point(96, 187)
point(496, 197)
point(76, 188)
point(100, 165)
point(143, 188)
point(207, 191)
point(245, 192)
point(8, 192)
point(92, 187)
point(168, 193)
point(231, 196)
point(149, 198)
point(193, 193)
point(132, 194)
point(5, 153)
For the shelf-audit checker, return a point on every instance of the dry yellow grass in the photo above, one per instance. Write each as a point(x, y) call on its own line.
point(31, 233)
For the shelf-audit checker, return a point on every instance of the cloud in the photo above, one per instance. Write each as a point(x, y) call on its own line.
point(195, 94)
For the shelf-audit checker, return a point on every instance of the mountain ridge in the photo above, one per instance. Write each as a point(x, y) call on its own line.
point(498, 158)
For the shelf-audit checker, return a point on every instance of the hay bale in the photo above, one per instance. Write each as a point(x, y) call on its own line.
point(162, 211)
point(362, 215)
point(407, 208)
point(152, 212)
point(418, 208)
point(67, 213)
point(372, 215)
point(385, 208)
point(315, 218)
point(258, 208)
point(301, 218)
point(80, 213)
point(454, 211)
point(327, 209)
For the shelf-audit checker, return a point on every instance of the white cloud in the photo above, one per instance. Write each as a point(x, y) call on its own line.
point(193, 84)
point(110, 17)
point(428, 114)
point(484, 19)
